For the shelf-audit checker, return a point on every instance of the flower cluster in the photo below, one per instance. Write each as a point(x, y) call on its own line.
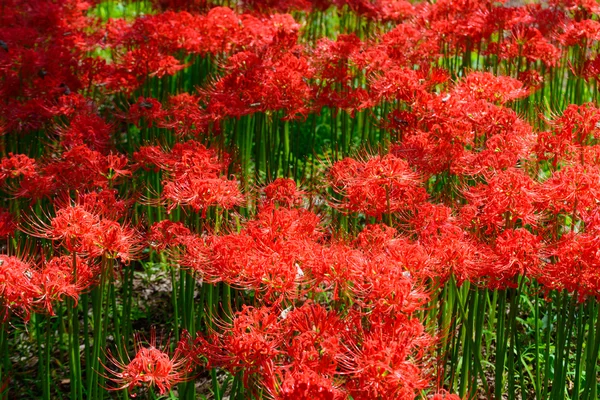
point(316, 179)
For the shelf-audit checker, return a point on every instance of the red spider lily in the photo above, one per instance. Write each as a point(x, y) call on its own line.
point(457, 23)
point(572, 133)
point(396, 10)
point(549, 20)
point(486, 86)
point(116, 164)
point(284, 192)
point(271, 6)
point(283, 224)
point(401, 84)
point(127, 74)
point(554, 147)
point(527, 42)
point(400, 121)
point(193, 176)
point(220, 258)
point(250, 344)
point(180, 5)
point(430, 221)
point(385, 286)
point(414, 259)
point(40, 61)
point(579, 124)
point(458, 255)
point(314, 340)
point(219, 31)
point(150, 367)
point(200, 193)
point(196, 256)
point(507, 200)
point(532, 80)
point(576, 268)
point(267, 81)
point(183, 158)
point(463, 136)
point(86, 128)
point(17, 165)
point(332, 62)
point(34, 188)
point(307, 385)
point(184, 115)
point(86, 232)
point(572, 191)
point(166, 234)
point(376, 276)
point(18, 286)
point(59, 279)
point(409, 44)
point(114, 240)
point(375, 237)
point(330, 59)
point(518, 253)
point(79, 167)
point(7, 224)
point(150, 158)
point(267, 256)
point(332, 268)
point(591, 69)
point(580, 33)
point(105, 203)
point(133, 66)
point(577, 7)
point(71, 226)
point(501, 139)
point(377, 185)
point(83, 168)
point(147, 109)
point(444, 395)
point(383, 361)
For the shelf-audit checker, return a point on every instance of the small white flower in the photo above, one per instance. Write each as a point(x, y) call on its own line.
point(285, 312)
point(299, 272)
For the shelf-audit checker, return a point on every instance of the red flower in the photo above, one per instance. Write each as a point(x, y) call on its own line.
point(444, 395)
point(115, 241)
point(18, 286)
point(193, 176)
point(377, 185)
point(17, 165)
point(576, 267)
point(518, 253)
point(383, 360)
point(59, 278)
point(150, 366)
point(267, 256)
point(314, 340)
point(573, 191)
point(166, 234)
point(7, 224)
point(86, 128)
point(105, 203)
point(184, 115)
point(71, 226)
point(201, 192)
point(147, 109)
point(250, 344)
point(307, 385)
point(486, 86)
point(284, 192)
point(507, 200)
